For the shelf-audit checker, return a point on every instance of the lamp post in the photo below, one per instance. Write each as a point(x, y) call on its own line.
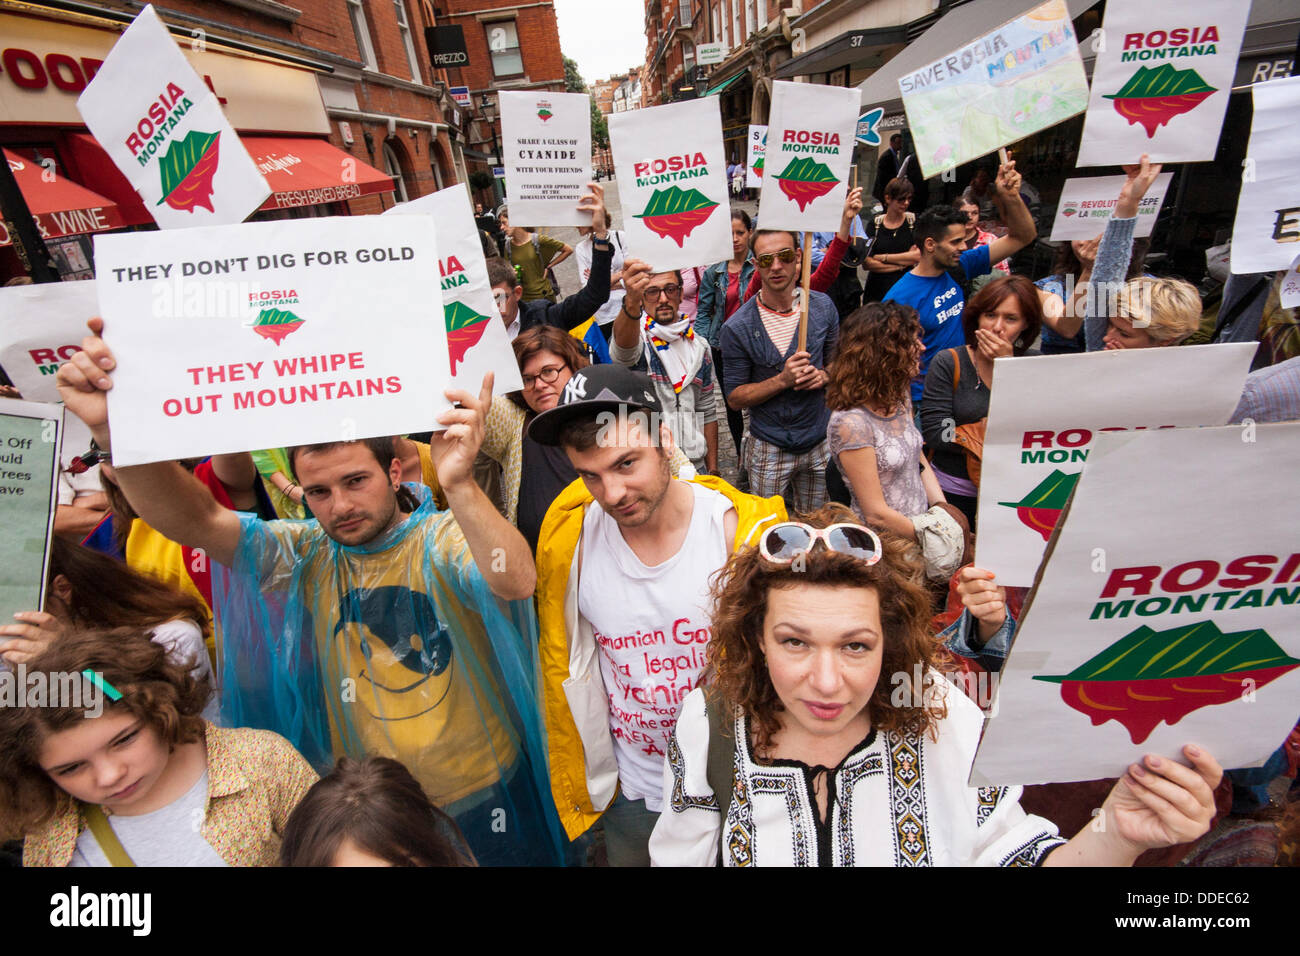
point(490, 114)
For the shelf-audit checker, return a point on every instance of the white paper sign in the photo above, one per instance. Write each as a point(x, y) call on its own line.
point(756, 156)
point(1267, 228)
point(1161, 81)
point(710, 54)
point(1086, 205)
point(672, 183)
point(1158, 621)
point(164, 129)
point(1045, 412)
point(546, 152)
point(30, 436)
point(810, 134)
point(476, 335)
point(1290, 291)
point(271, 334)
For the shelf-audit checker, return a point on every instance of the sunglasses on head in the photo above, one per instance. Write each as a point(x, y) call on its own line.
point(784, 542)
point(766, 259)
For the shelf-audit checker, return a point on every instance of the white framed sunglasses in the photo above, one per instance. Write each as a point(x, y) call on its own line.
point(784, 542)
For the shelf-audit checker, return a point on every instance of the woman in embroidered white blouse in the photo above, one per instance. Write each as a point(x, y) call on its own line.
point(826, 763)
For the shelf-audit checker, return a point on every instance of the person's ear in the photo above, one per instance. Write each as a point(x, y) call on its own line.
point(395, 472)
point(519, 292)
point(666, 439)
point(62, 588)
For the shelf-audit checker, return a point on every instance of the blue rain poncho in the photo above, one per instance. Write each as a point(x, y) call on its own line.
point(396, 648)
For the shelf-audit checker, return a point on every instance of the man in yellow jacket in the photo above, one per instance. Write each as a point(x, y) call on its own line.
point(623, 600)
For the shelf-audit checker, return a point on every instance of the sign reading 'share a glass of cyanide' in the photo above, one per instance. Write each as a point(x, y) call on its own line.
point(164, 129)
point(672, 183)
point(546, 152)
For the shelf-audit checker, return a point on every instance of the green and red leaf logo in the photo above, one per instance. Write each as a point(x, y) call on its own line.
point(187, 171)
point(1041, 508)
point(758, 166)
point(673, 213)
point(1154, 97)
point(464, 329)
point(1151, 676)
point(805, 180)
point(276, 324)
point(544, 110)
point(1069, 211)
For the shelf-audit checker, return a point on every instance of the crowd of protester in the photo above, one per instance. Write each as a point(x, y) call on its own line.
point(552, 634)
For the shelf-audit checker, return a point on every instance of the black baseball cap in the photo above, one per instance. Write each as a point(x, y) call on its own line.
point(594, 389)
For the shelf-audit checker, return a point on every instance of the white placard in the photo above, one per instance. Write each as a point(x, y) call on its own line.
point(810, 135)
point(271, 334)
point(1290, 291)
point(164, 129)
point(1086, 206)
point(755, 160)
point(546, 152)
point(710, 54)
point(41, 327)
point(477, 341)
point(1045, 412)
point(1158, 621)
point(1267, 227)
point(672, 183)
point(1161, 81)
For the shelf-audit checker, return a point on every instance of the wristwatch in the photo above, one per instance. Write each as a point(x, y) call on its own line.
point(601, 243)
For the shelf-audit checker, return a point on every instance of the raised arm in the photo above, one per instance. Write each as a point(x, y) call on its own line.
point(164, 494)
point(1021, 230)
point(1115, 250)
point(627, 324)
point(586, 302)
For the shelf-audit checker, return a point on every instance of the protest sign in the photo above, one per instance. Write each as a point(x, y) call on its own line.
point(1161, 81)
point(477, 342)
point(1289, 294)
point(755, 157)
point(546, 152)
point(1267, 227)
point(164, 129)
point(811, 132)
point(1013, 81)
point(1086, 204)
point(271, 334)
point(1158, 621)
point(30, 436)
point(1046, 412)
point(672, 183)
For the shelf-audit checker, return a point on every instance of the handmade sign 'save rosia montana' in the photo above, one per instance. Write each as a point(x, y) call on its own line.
point(1151, 676)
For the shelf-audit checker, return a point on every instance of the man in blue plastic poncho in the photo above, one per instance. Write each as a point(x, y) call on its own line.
point(382, 626)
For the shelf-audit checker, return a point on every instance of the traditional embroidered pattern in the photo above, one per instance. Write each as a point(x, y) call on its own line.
point(1028, 854)
point(740, 815)
point(989, 797)
point(740, 820)
point(907, 801)
point(681, 800)
point(848, 779)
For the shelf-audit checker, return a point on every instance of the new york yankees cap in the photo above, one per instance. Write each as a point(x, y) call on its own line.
point(595, 389)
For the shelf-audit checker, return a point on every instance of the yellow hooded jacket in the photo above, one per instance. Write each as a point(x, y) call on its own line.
point(580, 748)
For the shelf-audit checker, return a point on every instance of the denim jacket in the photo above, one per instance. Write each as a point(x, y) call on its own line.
point(792, 420)
point(713, 300)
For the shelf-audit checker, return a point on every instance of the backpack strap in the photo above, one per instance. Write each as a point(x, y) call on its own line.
point(104, 836)
point(720, 767)
point(956, 369)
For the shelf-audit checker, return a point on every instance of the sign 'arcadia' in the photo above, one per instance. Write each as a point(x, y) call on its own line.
point(1151, 676)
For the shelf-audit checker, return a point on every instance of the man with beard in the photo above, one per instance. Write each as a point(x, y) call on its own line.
point(366, 629)
point(624, 561)
point(940, 234)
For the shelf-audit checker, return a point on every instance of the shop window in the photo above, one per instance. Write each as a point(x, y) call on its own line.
point(503, 45)
point(394, 169)
point(404, 25)
point(762, 13)
point(365, 48)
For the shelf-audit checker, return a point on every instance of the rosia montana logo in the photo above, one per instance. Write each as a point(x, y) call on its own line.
point(272, 321)
point(1154, 97)
point(544, 110)
point(673, 213)
point(187, 170)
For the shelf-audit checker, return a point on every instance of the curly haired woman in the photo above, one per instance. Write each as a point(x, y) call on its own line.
point(871, 432)
point(829, 738)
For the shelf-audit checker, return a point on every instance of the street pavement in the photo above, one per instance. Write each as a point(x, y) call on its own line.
point(567, 273)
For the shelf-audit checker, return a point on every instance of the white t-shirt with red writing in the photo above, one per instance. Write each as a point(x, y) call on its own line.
point(652, 626)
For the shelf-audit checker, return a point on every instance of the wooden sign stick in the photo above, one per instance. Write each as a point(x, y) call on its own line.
point(803, 304)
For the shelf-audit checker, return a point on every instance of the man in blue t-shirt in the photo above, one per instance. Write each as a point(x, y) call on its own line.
point(940, 234)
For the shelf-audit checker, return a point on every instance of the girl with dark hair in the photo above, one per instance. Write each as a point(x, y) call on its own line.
point(133, 775)
point(872, 436)
point(1001, 320)
point(893, 249)
point(371, 813)
point(89, 590)
point(826, 735)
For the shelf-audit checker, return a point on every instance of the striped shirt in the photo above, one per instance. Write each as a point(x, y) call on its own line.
point(780, 326)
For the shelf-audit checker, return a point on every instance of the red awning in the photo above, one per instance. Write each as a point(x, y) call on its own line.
point(305, 172)
point(60, 206)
